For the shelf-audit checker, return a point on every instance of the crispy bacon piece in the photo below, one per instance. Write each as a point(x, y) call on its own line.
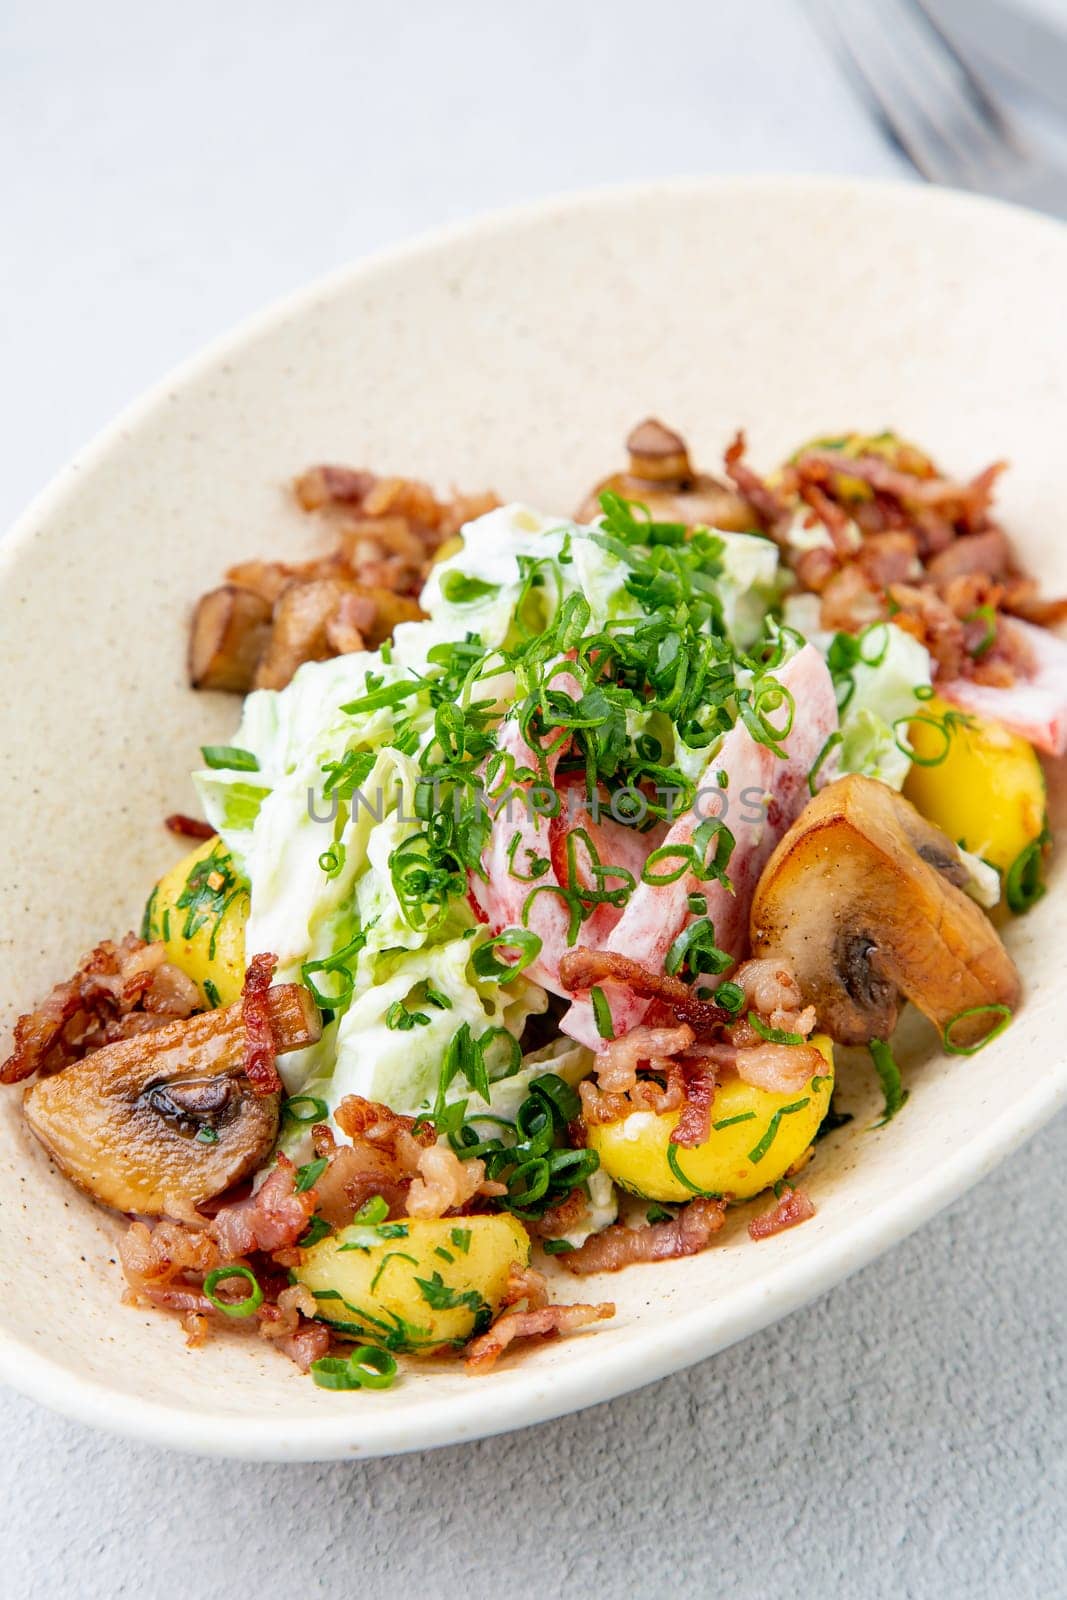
point(691, 1231)
point(271, 1219)
point(617, 1062)
point(188, 827)
point(772, 508)
point(581, 969)
point(694, 1125)
point(154, 1258)
point(118, 990)
point(383, 1158)
point(963, 502)
point(538, 1319)
point(547, 1323)
point(444, 1183)
point(792, 1207)
point(259, 1044)
point(778, 1068)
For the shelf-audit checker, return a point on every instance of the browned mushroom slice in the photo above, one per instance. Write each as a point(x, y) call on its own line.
point(159, 1123)
point(660, 477)
point(229, 632)
point(313, 621)
point(861, 899)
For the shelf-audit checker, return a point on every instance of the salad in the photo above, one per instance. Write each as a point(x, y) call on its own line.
point(548, 864)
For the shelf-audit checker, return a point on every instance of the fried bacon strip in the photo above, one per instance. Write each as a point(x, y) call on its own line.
point(693, 1127)
point(270, 617)
point(118, 991)
point(771, 507)
point(537, 1320)
point(581, 969)
point(792, 1207)
point(259, 1045)
point(691, 1231)
point(188, 827)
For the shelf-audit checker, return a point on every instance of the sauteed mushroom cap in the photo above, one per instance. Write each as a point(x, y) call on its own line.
point(660, 476)
point(862, 899)
point(158, 1123)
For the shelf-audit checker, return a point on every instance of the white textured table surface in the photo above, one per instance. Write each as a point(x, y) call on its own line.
point(165, 171)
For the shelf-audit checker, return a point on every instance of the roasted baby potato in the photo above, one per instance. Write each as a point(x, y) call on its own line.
point(988, 791)
point(199, 910)
point(637, 1153)
point(415, 1285)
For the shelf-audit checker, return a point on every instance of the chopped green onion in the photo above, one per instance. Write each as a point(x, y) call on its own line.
point(318, 1113)
point(889, 1077)
point(491, 969)
point(307, 1177)
point(229, 757)
point(1004, 1013)
point(1024, 882)
point(556, 1247)
point(372, 1367)
point(730, 996)
point(234, 1308)
point(373, 1211)
point(602, 1013)
point(460, 590)
point(774, 1035)
point(461, 1238)
point(832, 742)
point(334, 1372)
point(988, 615)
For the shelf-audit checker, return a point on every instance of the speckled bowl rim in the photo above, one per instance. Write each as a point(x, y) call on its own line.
point(683, 1339)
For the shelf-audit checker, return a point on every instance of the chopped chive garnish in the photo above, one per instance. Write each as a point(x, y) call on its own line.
point(214, 999)
point(375, 1210)
point(461, 1238)
point(556, 1247)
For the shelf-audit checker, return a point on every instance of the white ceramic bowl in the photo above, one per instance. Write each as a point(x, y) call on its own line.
point(512, 353)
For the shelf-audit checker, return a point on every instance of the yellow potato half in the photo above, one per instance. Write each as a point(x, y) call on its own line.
point(414, 1285)
point(988, 793)
point(199, 910)
point(755, 1138)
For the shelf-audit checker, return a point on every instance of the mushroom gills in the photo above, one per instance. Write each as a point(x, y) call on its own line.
point(163, 1121)
point(861, 899)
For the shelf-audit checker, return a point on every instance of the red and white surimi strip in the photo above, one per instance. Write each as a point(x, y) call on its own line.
point(510, 897)
point(756, 779)
point(1035, 706)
